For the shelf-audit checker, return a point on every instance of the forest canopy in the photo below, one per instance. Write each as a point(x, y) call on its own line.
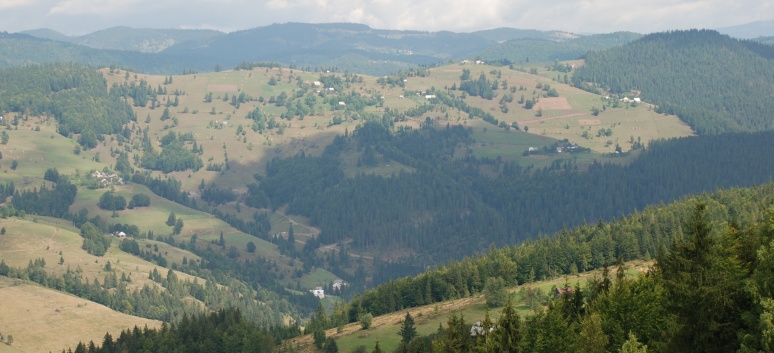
point(75, 95)
point(716, 84)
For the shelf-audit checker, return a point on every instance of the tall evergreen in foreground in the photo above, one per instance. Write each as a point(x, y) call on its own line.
point(710, 292)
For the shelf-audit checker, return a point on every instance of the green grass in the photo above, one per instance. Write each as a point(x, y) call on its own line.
point(37, 151)
point(386, 328)
point(317, 277)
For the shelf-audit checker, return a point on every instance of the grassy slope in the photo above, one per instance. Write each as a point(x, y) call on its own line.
point(36, 151)
point(249, 152)
point(385, 328)
point(45, 320)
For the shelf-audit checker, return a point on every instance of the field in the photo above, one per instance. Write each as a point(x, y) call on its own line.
point(385, 328)
point(36, 151)
point(206, 227)
point(215, 124)
point(44, 320)
point(225, 134)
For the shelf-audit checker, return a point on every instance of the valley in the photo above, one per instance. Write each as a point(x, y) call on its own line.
point(226, 197)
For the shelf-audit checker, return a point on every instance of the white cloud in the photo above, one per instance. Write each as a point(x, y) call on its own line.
point(9, 4)
point(93, 7)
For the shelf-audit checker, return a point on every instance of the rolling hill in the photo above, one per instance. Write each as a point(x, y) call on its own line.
point(264, 182)
point(338, 46)
point(144, 40)
point(714, 83)
point(538, 49)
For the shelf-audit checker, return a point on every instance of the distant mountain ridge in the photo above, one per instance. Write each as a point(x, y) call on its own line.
point(144, 40)
point(750, 30)
point(344, 46)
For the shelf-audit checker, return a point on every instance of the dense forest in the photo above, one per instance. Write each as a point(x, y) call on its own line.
point(709, 287)
point(450, 207)
point(714, 83)
point(709, 291)
point(75, 95)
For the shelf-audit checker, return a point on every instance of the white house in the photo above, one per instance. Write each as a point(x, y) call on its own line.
point(338, 284)
point(318, 292)
point(478, 329)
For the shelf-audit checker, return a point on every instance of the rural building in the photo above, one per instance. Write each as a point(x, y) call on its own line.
point(563, 290)
point(477, 329)
point(338, 284)
point(318, 292)
point(107, 178)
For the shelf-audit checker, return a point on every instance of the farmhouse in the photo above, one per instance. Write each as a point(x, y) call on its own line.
point(318, 292)
point(563, 290)
point(338, 284)
point(477, 329)
point(107, 179)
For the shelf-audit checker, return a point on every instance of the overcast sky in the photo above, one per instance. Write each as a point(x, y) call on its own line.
point(75, 17)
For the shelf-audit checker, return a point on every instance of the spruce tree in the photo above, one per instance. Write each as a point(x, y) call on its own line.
point(407, 331)
point(172, 219)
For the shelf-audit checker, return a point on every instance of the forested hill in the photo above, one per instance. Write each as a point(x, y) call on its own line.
point(450, 207)
point(714, 83)
point(75, 95)
point(145, 40)
point(22, 49)
point(544, 50)
point(710, 289)
point(333, 46)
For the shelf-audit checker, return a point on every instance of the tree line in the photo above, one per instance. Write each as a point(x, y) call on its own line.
point(75, 95)
point(450, 197)
point(716, 84)
point(709, 291)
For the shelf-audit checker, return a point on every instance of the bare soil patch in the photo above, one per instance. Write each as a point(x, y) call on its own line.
point(221, 88)
point(553, 103)
point(589, 122)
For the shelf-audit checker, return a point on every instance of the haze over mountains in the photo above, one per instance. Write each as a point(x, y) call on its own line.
point(352, 47)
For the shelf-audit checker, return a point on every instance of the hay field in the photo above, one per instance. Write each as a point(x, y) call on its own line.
point(45, 320)
point(27, 240)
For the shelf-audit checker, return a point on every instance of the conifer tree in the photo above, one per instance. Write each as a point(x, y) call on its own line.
point(407, 330)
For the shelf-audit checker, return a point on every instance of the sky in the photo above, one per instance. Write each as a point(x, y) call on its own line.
point(77, 17)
